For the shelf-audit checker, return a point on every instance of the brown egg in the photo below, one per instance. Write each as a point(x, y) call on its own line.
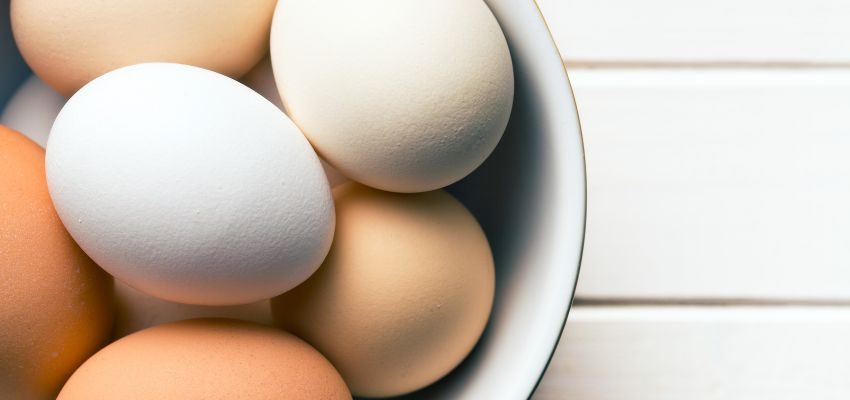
point(207, 359)
point(70, 42)
point(55, 302)
point(404, 294)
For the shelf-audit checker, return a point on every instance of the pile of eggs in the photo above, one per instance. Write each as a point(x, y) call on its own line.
point(300, 208)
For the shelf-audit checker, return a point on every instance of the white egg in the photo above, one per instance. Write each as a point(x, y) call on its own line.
point(401, 95)
point(135, 311)
point(189, 186)
point(32, 110)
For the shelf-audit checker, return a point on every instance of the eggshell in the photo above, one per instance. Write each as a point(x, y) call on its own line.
point(401, 95)
point(189, 186)
point(33, 109)
point(68, 43)
point(55, 303)
point(261, 79)
point(404, 294)
point(135, 311)
point(207, 359)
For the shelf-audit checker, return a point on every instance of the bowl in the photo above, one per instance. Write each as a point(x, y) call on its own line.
point(529, 197)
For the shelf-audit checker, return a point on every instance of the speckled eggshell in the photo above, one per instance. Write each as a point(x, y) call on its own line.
point(401, 95)
point(135, 311)
point(68, 43)
point(33, 109)
point(404, 294)
point(189, 186)
point(207, 359)
point(55, 303)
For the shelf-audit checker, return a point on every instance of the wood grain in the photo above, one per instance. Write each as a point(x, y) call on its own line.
point(716, 184)
point(674, 353)
point(719, 31)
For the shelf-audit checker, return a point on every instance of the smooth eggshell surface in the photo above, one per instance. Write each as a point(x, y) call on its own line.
point(401, 95)
point(135, 311)
point(55, 303)
point(189, 186)
point(404, 294)
point(68, 43)
point(33, 109)
point(207, 359)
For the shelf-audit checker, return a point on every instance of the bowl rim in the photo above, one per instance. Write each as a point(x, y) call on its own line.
point(583, 150)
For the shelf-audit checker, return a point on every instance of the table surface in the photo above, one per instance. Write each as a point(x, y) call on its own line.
point(717, 260)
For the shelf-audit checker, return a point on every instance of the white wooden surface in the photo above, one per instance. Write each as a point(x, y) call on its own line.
point(716, 183)
point(717, 263)
point(695, 353)
point(699, 31)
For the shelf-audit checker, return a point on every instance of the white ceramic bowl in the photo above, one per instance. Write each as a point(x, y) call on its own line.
point(530, 198)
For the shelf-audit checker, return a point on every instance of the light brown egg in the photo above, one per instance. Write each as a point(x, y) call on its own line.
point(68, 43)
point(55, 302)
point(207, 359)
point(404, 294)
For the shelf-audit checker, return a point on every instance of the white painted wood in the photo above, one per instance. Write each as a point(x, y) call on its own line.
point(716, 183)
point(694, 31)
point(695, 353)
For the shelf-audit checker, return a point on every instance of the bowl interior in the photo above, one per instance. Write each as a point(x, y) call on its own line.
point(529, 196)
point(13, 71)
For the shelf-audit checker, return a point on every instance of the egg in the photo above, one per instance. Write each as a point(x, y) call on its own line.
point(135, 311)
point(261, 79)
point(403, 295)
point(400, 95)
point(33, 109)
point(55, 302)
point(68, 43)
point(189, 186)
point(207, 359)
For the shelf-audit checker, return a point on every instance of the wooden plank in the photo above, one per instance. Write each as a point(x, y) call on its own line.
point(716, 183)
point(673, 353)
point(664, 31)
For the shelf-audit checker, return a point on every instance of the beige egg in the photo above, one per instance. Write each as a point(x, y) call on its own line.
point(55, 302)
point(207, 359)
point(68, 43)
point(404, 294)
point(135, 311)
point(400, 95)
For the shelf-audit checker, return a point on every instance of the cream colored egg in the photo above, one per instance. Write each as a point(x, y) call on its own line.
point(400, 95)
point(55, 303)
point(404, 294)
point(207, 359)
point(68, 43)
